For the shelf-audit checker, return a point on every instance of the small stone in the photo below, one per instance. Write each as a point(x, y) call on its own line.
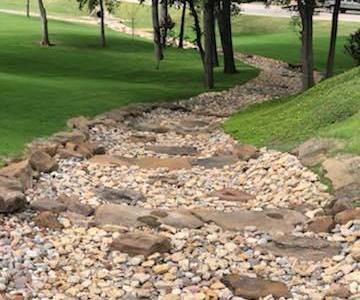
point(161, 269)
point(321, 224)
point(47, 219)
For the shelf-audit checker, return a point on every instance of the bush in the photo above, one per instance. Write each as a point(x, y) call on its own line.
point(353, 46)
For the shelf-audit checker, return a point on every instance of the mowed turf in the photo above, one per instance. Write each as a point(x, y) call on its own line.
point(330, 109)
point(40, 88)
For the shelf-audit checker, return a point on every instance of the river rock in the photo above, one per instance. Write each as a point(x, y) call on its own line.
point(254, 288)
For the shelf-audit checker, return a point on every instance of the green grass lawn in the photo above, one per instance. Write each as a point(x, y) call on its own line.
point(330, 109)
point(42, 87)
point(267, 36)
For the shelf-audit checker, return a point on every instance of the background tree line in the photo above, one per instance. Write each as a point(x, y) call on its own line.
point(207, 15)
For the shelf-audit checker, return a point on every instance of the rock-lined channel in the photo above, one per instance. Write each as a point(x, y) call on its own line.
point(157, 202)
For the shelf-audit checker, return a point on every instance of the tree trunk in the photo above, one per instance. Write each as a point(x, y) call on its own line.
point(209, 21)
point(28, 8)
point(197, 30)
point(215, 54)
point(224, 22)
point(45, 32)
point(334, 27)
point(306, 9)
point(102, 24)
point(182, 26)
point(156, 29)
point(163, 21)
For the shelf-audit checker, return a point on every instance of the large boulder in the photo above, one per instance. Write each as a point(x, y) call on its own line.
point(315, 151)
point(12, 197)
point(20, 170)
point(245, 152)
point(255, 288)
point(73, 204)
point(42, 162)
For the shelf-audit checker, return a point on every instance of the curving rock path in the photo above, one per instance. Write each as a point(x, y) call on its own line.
point(157, 202)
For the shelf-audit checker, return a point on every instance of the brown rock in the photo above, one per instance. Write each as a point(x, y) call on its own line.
point(73, 204)
point(305, 248)
point(270, 220)
point(20, 170)
point(339, 172)
point(245, 152)
point(12, 197)
point(42, 162)
point(47, 219)
point(174, 163)
point(68, 153)
point(141, 138)
point(321, 224)
point(255, 288)
point(229, 194)
point(347, 215)
point(141, 244)
point(110, 160)
point(80, 123)
point(338, 290)
point(46, 204)
point(173, 150)
point(215, 161)
point(132, 216)
point(76, 137)
point(42, 145)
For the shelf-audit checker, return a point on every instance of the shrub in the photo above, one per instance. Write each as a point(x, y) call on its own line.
point(353, 46)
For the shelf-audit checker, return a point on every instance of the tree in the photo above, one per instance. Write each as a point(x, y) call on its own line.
point(163, 21)
point(28, 8)
point(156, 29)
point(334, 27)
point(45, 41)
point(92, 5)
point(214, 45)
point(182, 25)
point(209, 26)
point(197, 29)
point(224, 22)
point(306, 10)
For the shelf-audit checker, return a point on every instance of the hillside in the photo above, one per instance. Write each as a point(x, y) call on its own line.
point(331, 109)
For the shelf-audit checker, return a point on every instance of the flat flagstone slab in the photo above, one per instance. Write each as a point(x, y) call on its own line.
point(215, 161)
point(255, 288)
point(120, 196)
point(107, 159)
point(271, 221)
point(130, 216)
point(234, 195)
point(305, 248)
point(172, 150)
point(338, 172)
point(141, 244)
point(173, 163)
